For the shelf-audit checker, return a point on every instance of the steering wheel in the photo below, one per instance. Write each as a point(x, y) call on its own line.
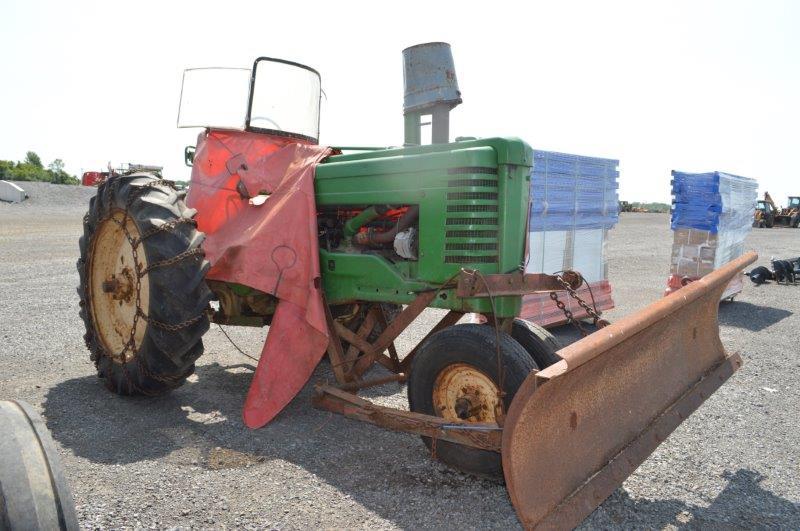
point(270, 120)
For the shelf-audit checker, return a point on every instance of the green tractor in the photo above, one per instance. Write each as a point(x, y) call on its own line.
point(359, 242)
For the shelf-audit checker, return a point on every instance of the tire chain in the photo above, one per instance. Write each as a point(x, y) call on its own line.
point(591, 311)
point(164, 227)
point(130, 345)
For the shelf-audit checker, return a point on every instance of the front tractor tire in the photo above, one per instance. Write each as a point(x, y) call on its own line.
point(143, 297)
point(538, 341)
point(454, 375)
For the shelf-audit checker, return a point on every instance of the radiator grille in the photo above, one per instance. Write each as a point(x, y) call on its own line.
point(453, 259)
point(492, 196)
point(472, 170)
point(472, 182)
point(472, 221)
point(473, 198)
point(470, 246)
point(471, 208)
point(473, 233)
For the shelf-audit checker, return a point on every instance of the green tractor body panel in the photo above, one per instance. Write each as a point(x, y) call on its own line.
point(473, 199)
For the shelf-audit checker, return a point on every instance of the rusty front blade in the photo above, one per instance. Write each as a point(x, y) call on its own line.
point(577, 429)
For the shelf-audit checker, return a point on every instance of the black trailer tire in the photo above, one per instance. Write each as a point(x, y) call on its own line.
point(539, 342)
point(142, 221)
point(471, 348)
point(33, 490)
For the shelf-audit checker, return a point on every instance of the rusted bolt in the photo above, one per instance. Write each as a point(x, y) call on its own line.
point(110, 286)
point(468, 405)
point(573, 420)
point(462, 408)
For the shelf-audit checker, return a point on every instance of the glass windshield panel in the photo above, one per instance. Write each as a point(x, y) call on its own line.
point(214, 97)
point(285, 98)
point(794, 202)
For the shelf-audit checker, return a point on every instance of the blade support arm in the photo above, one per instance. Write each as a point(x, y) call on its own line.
point(476, 435)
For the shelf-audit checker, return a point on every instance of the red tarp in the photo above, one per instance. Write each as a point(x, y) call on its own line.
point(272, 247)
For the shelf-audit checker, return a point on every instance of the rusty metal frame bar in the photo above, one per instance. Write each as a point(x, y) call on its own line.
point(363, 384)
point(381, 315)
point(390, 333)
point(484, 436)
point(474, 284)
point(335, 350)
point(348, 367)
point(363, 332)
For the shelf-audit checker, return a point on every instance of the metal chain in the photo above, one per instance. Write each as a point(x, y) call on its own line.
point(591, 311)
point(171, 327)
point(171, 261)
point(164, 227)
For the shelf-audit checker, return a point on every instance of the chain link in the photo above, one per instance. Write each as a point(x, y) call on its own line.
point(171, 327)
point(171, 261)
point(164, 227)
point(591, 311)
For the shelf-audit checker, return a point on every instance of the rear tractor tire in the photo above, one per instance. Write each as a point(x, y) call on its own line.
point(455, 376)
point(143, 297)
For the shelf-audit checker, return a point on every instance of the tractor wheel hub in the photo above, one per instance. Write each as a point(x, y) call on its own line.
point(463, 392)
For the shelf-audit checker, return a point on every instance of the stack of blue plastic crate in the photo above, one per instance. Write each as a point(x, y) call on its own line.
point(574, 202)
point(712, 213)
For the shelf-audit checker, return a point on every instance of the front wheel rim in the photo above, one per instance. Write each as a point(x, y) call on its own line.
point(462, 392)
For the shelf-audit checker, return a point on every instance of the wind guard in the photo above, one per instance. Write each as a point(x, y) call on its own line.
point(271, 247)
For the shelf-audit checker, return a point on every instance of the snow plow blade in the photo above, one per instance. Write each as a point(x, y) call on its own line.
point(577, 429)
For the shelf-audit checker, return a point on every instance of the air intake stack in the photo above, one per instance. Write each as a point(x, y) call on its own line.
point(430, 88)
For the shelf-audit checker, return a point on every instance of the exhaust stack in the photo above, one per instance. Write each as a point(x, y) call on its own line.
point(430, 88)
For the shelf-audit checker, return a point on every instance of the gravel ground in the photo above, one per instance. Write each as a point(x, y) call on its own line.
point(186, 460)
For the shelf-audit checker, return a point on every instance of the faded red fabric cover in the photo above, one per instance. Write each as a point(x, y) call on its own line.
point(272, 247)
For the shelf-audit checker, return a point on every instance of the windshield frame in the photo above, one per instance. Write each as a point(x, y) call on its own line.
point(240, 126)
point(278, 132)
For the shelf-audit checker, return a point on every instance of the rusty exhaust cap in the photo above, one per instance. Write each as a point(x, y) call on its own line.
point(576, 430)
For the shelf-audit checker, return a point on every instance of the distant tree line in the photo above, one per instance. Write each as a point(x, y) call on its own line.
point(652, 207)
point(32, 169)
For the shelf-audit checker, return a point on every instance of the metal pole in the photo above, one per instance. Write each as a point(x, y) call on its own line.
point(440, 117)
point(413, 135)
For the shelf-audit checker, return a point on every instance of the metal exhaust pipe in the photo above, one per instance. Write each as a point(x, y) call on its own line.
point(430, 88)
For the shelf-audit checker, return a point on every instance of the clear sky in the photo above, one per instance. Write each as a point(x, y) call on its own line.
point(689, 85)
